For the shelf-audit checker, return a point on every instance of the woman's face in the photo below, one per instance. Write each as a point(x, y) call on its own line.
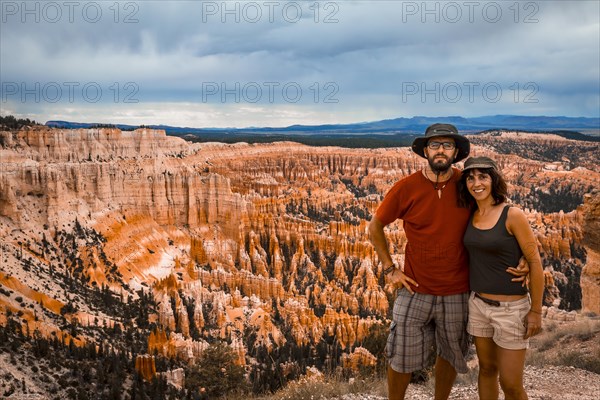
point(479, 184)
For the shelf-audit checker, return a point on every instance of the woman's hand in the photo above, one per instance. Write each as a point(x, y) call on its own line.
point(533, 323)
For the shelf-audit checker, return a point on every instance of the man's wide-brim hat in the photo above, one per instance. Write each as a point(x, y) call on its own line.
point(443, 130)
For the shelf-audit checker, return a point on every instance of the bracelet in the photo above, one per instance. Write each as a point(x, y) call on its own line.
point(537, 312)
point(389, 269)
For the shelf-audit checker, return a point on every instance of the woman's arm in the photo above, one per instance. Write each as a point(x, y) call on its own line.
point(518, 226)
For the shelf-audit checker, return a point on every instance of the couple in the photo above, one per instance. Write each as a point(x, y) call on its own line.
point(463, 243)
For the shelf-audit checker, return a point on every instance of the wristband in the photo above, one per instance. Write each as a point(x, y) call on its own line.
point(537, 312)
point(389, 269)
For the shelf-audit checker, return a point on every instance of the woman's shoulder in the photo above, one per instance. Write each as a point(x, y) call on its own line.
point(515, 215)
point(513, 209)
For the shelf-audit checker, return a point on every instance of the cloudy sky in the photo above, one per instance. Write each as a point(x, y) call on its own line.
point(278, 63)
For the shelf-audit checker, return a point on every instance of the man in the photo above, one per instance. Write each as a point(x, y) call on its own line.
point(432, 304)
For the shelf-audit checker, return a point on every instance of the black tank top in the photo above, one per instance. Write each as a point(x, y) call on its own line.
point(491, 252)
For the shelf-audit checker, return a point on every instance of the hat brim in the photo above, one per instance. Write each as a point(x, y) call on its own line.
point(480, 166)
point(462, 144)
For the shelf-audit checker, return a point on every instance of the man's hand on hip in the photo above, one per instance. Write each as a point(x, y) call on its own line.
point(398, 279)
point(521, 272)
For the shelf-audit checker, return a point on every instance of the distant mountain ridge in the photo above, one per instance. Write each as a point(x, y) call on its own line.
point(411, 125)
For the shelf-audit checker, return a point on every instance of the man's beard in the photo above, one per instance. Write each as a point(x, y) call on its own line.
point(438, 166)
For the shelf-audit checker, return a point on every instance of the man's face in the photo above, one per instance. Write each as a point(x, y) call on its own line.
point(440, 152)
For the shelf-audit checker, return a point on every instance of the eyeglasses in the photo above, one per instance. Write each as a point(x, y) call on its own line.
point(446, 145)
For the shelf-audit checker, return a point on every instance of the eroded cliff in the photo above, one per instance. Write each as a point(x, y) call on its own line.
point(264, 246)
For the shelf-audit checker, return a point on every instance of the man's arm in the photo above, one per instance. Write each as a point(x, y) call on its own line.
point(521, 271)
point(379, 242)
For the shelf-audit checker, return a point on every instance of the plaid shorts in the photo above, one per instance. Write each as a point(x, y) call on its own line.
point(422, 323)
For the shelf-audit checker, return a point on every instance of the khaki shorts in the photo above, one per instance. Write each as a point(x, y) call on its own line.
point(505, 324)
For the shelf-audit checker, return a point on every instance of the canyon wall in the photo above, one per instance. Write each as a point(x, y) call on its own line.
point(267, 241)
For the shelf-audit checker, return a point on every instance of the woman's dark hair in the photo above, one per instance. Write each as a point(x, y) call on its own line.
point(499, 188)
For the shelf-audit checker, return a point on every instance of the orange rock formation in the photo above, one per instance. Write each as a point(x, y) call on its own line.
point(266, 237)
point(590, 276)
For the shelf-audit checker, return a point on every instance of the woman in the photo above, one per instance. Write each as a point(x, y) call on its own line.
point(502, 316)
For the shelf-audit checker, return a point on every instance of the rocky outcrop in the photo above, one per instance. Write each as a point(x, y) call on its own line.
point(556, 314)
point(361, 357)
point(555, 153)
point(136, 173)
point(145, 366)
point(551, 292)
point(590, 276)
point(175, 345)
point(175, 377)
point(42, 144)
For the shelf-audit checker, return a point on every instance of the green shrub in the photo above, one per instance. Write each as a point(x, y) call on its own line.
point(375, 342)
point(215, 375)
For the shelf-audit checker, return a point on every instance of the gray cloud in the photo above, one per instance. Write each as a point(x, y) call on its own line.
point(378, 59)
